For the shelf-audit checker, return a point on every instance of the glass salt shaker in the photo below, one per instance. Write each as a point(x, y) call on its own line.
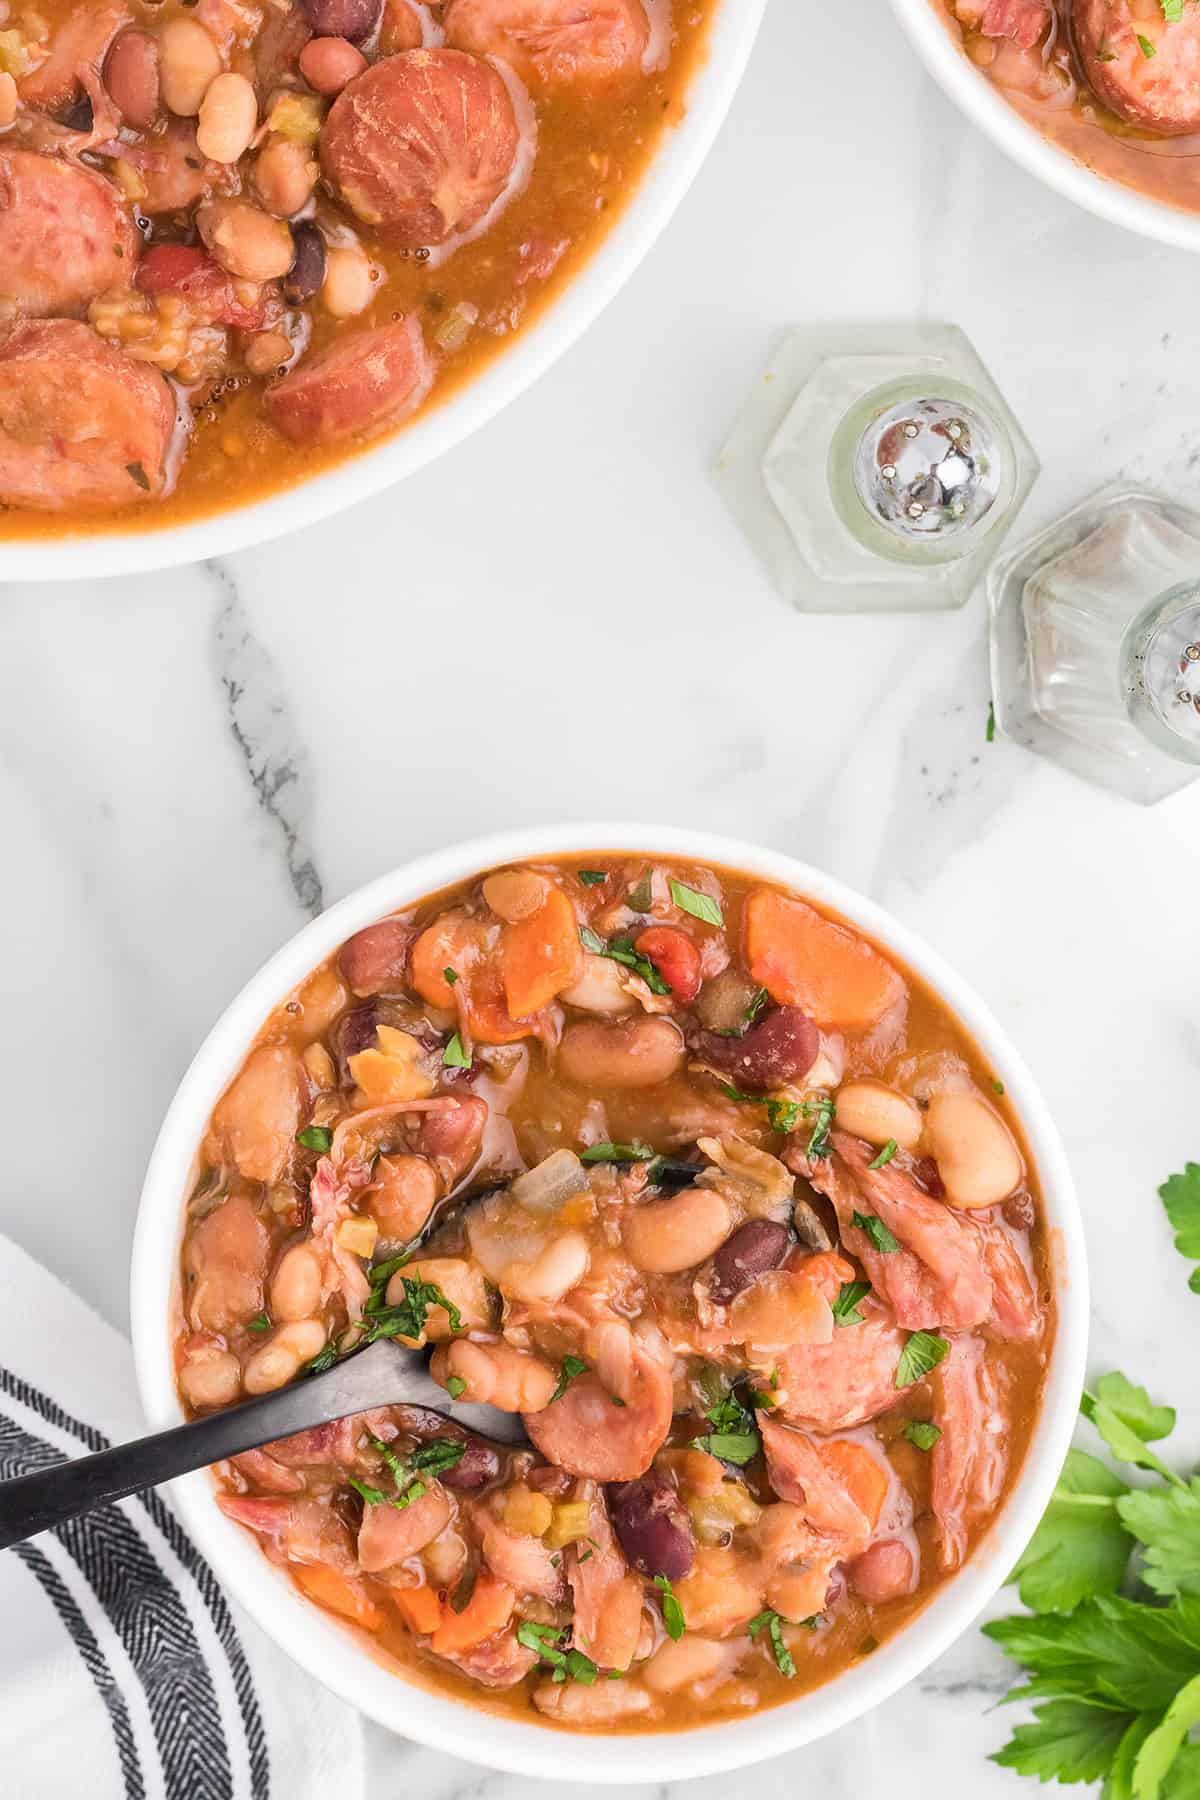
point(1095, 641)
point(876, 468)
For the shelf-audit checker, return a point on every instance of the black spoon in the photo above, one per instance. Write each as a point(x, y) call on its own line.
point(383, 1374)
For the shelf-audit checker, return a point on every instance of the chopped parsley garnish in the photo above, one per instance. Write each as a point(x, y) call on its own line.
point(407, 1318)
point(1145, 46)
point(689, 900)
point(845, 1307)
point(567, 1665)
point(379, 1274)
point(569, 1368)
point(734, 1438)
point(449, 976)
point(261, 1322)
point(136, 473)
point(922, 1434)
point(923, 1351)
point(821, 1112)
point(885, 1155)
point(774, 1627)
point(782, 1115)
point(1172, 11)
point(428, 1459)
point(991, 722)
point(324, 1359)
point(438, 1454)
point(454, 1056)
point(641, 897)
point(757, 1001)
point(316, 1137)
point(607, 1153)
point(672, 1612)
point(455, 1386)
point(621, 950)
point(998, 1086)
point(592, 877)
point(875, 1229)
point(759, 1399)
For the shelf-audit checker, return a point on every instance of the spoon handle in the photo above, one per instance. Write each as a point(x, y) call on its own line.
point(33, 1503)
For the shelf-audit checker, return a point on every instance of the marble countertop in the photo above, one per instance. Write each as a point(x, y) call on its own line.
point(560, 619)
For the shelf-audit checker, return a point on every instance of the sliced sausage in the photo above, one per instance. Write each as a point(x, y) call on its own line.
point(1160, 92)
point(554, 44)
point(65, 235)
point(80, 422)
point(421, 145)
point(355, 387)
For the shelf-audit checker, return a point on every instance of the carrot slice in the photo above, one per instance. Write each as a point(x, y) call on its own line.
point(487, 1611)
point(540, 955)
point(805, 960)
point(421, 1608)
point(858, 1473)
point(339, 1594)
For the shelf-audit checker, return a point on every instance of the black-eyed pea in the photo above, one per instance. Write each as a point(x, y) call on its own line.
point(296, 1285)
point(976, 1154)
point(667, 1236)
point(281, 1360)
point(875, 1112)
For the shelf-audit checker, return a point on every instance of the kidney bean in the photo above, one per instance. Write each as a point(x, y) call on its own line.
point(754, 1248)
point(131, 77)
point(780, 1047)
point(652, 1526)
point(303, 279)
point(352, 19)
point(354, 1031)
point(328, 64)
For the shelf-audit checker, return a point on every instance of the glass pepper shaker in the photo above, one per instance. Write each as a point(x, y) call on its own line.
point(876, 468)
point(1095, 642)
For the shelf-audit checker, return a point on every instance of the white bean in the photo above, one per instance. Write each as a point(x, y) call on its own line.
point(228, 117)
point(975, 1152)
point(211, 1377)
point(281, 1359)
point(189, 62)
point(561, 1266)
point(667, 1236)
point(296, 1285)
point(348, 286)
point(872, 1110)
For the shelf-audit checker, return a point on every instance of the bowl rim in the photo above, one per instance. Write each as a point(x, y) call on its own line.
point(673, 166)
point(932, 36)
point(318, 1644)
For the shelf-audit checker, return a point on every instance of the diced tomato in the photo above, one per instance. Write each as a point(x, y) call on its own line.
point(805, 960)
point(540, 955)
point(191, 272)
point(675, 957)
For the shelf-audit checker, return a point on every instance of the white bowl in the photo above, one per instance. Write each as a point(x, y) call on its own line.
point(982, 101)
point(329, 1651)
point(682, 149)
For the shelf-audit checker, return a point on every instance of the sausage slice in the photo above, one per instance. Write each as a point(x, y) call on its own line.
point(81, 424)
point(1161, 91)
point(355, 387)
point(554, 44)
point(65, 235)
point(421, 144)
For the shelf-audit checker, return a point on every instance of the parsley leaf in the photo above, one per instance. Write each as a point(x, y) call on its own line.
point(738, 1447)
point(921, 1434)
point(621, 950)
point(1070, 1740)
point(407, 1318)
point(592, 877)
point(568, 1665)
point(569, 1368)
point(1172, 11)
point(1166, 1522)
point(455, 1385)
point(690, 900)
point(316, 1137)
point(672, 1612)
point(439, 1454)
point(455, 1055)
point(885, 1155)
point(783, 1115)
point(774, 1625)
point(449, 976)
point(1145, 46)
point(923, 1351)
point(990, 732)
point(757, 1001)
point(606, 1153)
point(260, 1322)
point(1180, 1194)
point(1125, 1417)
point(845, 1307)
point(875, 1229)
point(1081, 1548)
point(640, 897)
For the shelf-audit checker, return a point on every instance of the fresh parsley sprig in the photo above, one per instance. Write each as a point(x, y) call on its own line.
point(620, 949)
point(566, 1665)
point(1180, 1194)
point(734, 1437)
point(672, 1612)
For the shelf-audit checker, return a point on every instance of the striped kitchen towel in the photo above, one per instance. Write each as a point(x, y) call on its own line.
point(126, 1673)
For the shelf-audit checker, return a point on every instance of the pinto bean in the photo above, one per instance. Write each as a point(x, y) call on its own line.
point(496, 1374)
point(352, 19)
point(976, 1154)
point(872, 1110)
point(374, 961)
point(189, 62)
point(798, 1593)
point(634, 1053)
point(782, 1046)
point(652, 1525)
point(246, 241)
point(755, 1247)
point(227, 118)
point(405, 1193)
point(296, 1284)
point(515, 894)
point(258, 1115)
point(782, 1308)
point(667, 1236)
point(328, 63)
point(280, 1360)
point(132, 79)
point(883, 1572)
point(389, 1534)
point(284, 177)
